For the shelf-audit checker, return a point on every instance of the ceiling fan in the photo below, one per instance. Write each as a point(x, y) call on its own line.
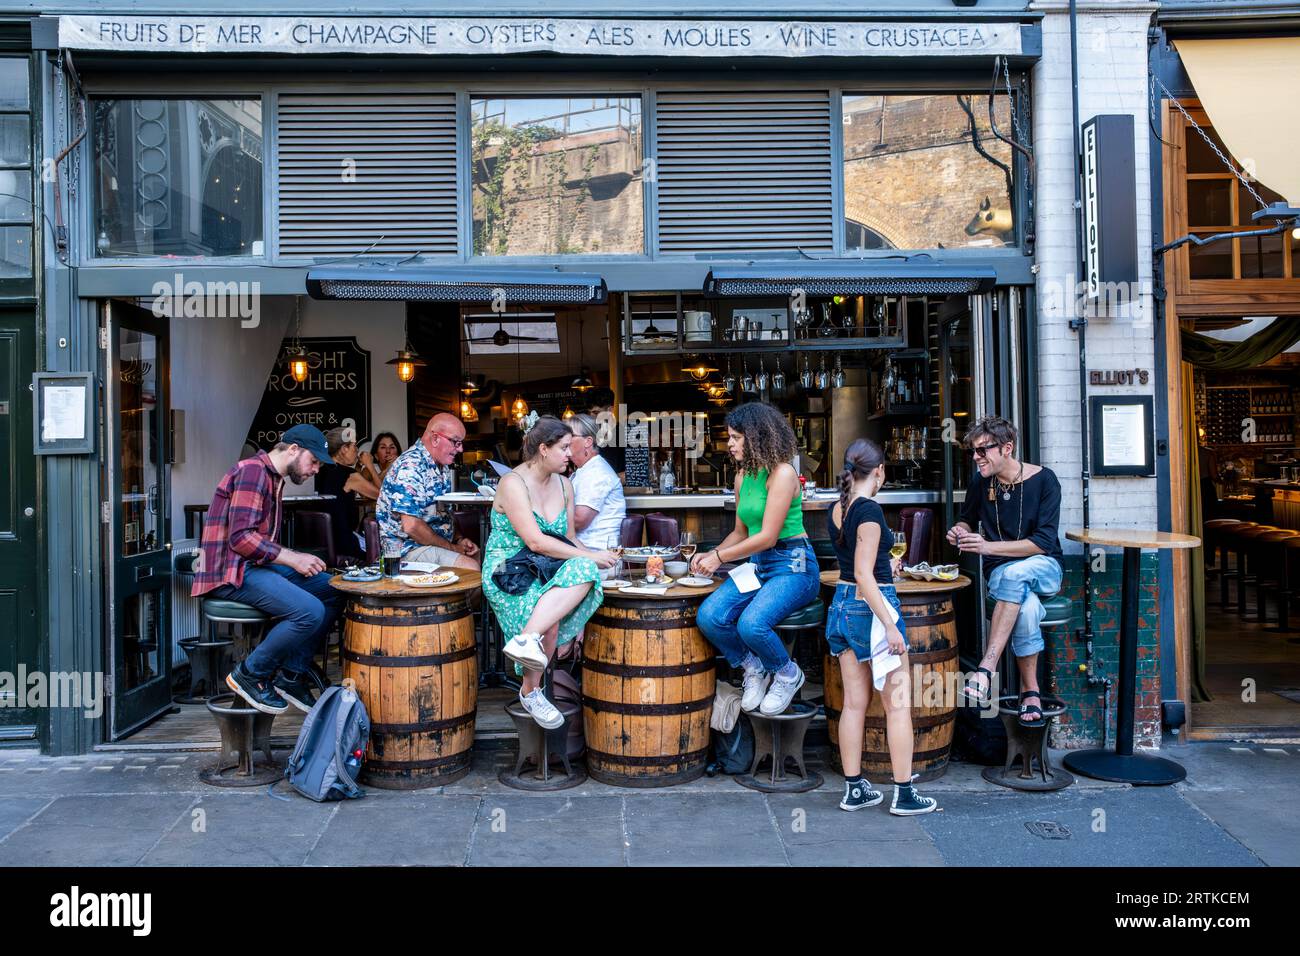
point(501, 338)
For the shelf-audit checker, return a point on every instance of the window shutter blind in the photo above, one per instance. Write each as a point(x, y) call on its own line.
point(353, 168)
point(744, 171)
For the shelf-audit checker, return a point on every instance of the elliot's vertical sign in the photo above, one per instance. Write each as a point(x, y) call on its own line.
point(1110, 208)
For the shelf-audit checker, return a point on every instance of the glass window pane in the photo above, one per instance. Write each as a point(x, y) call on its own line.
point(1262, 258)
point(178, 177)
point(924, 171)
point(13, 83)
point(1246, 205)
point(15, 251)
point(1200, 157)
point(557, 176)
point(15, 140)
point(1209, 202)
point(138, 385)
point(1211, 262)
point(141, 626)
point(16, 195)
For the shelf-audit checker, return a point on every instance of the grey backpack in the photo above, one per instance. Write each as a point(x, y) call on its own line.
point(331, 747)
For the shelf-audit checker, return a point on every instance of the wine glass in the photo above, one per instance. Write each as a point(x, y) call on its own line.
point(617, 551)
point(900, 545)
point(688, 545)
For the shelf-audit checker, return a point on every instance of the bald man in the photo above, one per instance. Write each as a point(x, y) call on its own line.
point(407, 510)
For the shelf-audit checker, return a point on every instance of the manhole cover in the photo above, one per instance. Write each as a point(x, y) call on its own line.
point(1048, 829)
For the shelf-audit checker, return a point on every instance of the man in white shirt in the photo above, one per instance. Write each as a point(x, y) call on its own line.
point(598, 504)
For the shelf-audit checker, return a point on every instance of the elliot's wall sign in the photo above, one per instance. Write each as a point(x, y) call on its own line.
point(477, 35)
point(1119, 376)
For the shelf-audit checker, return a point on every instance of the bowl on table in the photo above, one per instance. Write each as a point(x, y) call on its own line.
point(677, 569)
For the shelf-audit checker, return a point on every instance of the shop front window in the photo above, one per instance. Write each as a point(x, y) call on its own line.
point(1217, 202)
point(15, 170)
point(927, 171)
point(557, 176)
point(178, 177)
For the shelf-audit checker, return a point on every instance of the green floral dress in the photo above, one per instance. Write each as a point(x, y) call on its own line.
point(512, 610)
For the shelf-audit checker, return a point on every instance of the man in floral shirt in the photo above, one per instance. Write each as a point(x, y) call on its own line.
point(407, 510)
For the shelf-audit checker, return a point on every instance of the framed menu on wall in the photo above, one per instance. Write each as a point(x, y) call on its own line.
point(1123, 442)
point(336, 392)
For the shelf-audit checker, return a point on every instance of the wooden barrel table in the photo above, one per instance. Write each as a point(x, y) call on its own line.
point(932, 655)
point(412, 654)
point(648, 681)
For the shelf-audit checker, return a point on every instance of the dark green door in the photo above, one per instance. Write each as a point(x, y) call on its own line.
point(139, 483)
point(20, 625)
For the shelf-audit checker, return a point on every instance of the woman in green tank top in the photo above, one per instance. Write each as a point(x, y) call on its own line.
point(769, 532)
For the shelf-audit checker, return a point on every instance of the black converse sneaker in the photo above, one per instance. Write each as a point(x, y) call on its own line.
point(908, 803)
point(858, 794)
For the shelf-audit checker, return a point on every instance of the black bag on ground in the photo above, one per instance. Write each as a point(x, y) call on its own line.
point(733, 753)
point(978, 739)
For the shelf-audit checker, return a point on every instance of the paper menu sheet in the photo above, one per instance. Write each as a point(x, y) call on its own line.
point(1123, 435)
point(65, 413)
point(746, 577)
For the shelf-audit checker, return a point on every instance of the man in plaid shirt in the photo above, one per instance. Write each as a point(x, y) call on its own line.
point(240, 560)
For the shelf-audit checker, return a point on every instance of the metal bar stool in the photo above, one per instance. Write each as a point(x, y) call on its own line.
point(1223, 538)
point(541, 746)
point(1239, 543)
point(779, 738)
point(1213, 532)
point(246, 624)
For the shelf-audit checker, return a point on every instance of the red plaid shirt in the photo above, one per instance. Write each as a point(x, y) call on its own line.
point(241, 525)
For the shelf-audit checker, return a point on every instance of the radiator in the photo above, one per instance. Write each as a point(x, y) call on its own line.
point(185, 609)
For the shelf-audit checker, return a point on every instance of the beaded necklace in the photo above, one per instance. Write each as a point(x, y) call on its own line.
point(996, 487)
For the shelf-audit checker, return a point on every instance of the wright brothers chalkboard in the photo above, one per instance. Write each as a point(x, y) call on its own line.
point(336, 392)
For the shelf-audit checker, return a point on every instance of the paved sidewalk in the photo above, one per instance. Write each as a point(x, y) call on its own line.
point(124, 809)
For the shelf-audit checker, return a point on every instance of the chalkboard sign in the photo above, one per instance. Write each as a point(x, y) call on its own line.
point(637, 456)
point(555, 402)
point(336, 392)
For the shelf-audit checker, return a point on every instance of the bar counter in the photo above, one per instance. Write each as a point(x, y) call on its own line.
point(822, 501)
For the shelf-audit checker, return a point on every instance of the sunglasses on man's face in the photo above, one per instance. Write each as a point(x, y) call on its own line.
point(981, 451)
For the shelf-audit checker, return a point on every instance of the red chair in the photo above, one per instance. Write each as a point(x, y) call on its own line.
point(918, 525)
point(630, 532)
point(662, 531)
point(374, 546)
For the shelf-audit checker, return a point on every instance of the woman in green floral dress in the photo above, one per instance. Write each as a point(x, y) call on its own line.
point(548, 615)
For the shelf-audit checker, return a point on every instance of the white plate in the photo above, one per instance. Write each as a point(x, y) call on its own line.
point(423, 581)
point(614, 584)
point(695, 581)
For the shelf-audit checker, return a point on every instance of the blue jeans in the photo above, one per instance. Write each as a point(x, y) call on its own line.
point(304, 608)
point(848, 625)
point(1021, 582)
point(742, 624)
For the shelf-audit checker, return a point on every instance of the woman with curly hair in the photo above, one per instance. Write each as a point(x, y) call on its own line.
point(769, 531)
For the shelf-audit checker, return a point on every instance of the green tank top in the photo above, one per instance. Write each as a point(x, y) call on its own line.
point(753, 499)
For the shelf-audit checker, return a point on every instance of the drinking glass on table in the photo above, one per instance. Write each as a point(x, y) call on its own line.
point(617, 551)
point(688, 545)
point(391, 560)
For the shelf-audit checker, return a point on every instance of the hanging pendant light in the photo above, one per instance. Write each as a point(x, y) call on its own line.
point(295, 354)
point(568, 412)
point(406, 363)
point(518, 408)
point(699, 370)
point(468, 413)
point(584, 377)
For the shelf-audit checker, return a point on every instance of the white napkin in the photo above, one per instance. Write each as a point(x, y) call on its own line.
point(746, 577)
point(635, 589)
point(883, 660)
point(423, 567)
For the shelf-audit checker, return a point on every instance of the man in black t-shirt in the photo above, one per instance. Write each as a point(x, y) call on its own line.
point(1010, 519)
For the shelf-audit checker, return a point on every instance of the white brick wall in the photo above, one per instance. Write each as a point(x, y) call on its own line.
point(1112, 43)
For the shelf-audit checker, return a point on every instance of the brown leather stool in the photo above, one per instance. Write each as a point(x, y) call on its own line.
point(1238, 542)
point(1222, 537)
point(1268, 558)
point(1211, 532)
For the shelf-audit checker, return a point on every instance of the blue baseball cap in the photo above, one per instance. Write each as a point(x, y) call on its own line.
point(311, 438)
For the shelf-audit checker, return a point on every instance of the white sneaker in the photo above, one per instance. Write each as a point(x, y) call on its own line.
point(755, 685)
point(543, 711)
point(526, 651)
point(780, 694)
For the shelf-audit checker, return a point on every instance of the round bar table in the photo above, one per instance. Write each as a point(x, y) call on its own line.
point(412, 653)
point(931, 623)
point(648, 682)
point(1122, 765)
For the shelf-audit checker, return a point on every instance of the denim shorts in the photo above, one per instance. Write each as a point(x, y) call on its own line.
point(849, 623)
